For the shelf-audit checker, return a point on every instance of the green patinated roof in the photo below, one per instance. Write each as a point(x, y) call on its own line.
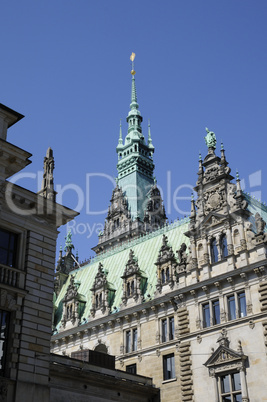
point(146, 250)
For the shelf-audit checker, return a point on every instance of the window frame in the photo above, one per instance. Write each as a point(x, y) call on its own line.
point(131, 368)
point(240, 306)
point(167, 329)
point(14, 250)
point(231, 392)
point(210, 307)
point(168, 359)
point(214, 252)
point(131, 340)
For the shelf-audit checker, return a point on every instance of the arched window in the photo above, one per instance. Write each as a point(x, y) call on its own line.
point(167, 274)
point(162, 276)
point(96, 301)
point(135, 148)
point(223, 245)
point(213, 251)
point(132, 287)
point(100, 299)
point(128, 289)
point(101, 348)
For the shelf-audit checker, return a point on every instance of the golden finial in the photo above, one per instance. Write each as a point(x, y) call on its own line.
point(132, 57)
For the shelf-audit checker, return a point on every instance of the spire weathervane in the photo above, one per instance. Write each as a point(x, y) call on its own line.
point(132, 57)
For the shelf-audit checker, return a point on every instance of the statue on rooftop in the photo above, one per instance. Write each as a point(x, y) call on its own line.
point(210, 139)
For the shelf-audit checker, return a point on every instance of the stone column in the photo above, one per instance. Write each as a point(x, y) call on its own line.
point(244, 387)
point(242, 237)
point(206, 252)
point(215, 385)
point(218, 245)
point(230, 247)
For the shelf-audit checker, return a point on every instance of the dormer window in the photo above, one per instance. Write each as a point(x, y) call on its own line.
point(133, 281)
point(102, 293)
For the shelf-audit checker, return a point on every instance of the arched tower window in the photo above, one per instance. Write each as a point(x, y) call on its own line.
point(223, 245)
point(128, 289)
point(132, 287)
point(167, 274)
point(162, 276)
point(213, 251)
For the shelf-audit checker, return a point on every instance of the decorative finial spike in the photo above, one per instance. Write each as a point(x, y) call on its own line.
point(199, 156)
point(132, 57)
point(222, 147)
point(237, 175)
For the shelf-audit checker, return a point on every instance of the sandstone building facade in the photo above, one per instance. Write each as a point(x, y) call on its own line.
point(184, 303)
point(28, 231)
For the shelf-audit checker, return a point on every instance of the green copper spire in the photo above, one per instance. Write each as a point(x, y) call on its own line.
point(135, 158)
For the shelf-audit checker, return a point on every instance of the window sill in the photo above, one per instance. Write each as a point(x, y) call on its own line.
point(170, 380)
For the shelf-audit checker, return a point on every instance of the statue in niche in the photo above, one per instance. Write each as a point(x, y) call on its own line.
point(260, 224)
point(182, 256)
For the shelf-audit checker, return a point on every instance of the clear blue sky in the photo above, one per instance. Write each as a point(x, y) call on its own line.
point(65, 65)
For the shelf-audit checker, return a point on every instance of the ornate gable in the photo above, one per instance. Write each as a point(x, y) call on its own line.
point(134, 281)
point(213, 219)
point(102, 293)
point(73, 305)
point(224, 358)
point(166, 266)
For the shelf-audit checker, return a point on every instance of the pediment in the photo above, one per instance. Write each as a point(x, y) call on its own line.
point(212, 219)
point(224, 355)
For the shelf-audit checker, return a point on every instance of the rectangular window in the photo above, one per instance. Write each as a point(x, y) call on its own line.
point(171, 328)
point(134, 345)
point(131, 340)
point(4, 325)
point(216, 312)
point(164, 330)
point(231, 307)
point(236, 304)
point(8, 248)
point(167, 329)
point(242, 308)
point(168, 367)
point(128, 342)
point(211, 313)
point(206, 315)
point(131, 369)
point(230, 388)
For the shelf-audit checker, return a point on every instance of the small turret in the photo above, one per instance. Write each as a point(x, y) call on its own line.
point(47, 190)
